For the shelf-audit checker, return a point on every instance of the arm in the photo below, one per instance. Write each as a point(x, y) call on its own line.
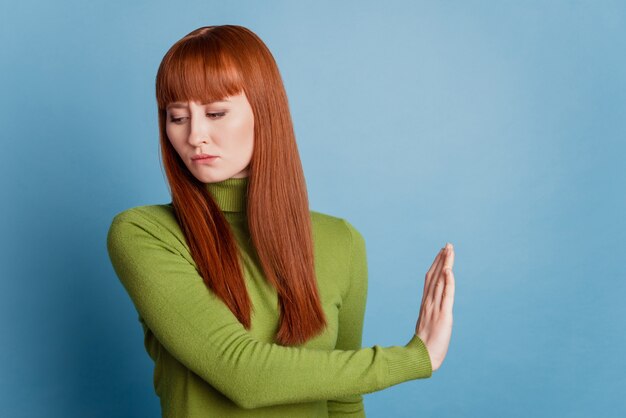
point(197, 328)
point(351, 317)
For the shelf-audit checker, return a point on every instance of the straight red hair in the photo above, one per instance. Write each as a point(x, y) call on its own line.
point(209, 64)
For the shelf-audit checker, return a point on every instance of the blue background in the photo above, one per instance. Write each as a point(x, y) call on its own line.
point(498, 126)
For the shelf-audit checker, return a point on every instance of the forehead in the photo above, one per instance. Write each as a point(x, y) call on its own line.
point(184, 105)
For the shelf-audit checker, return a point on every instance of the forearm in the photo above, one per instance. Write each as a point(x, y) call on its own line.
point(196, 327)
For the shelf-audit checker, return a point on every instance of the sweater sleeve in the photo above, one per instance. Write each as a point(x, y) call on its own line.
point(196, 327)
point(351, 316)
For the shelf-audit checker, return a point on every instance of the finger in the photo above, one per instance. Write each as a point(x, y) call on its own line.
point(449, 257)
point(448, 296)
point(440, 284)
point(437, 258)
point(428, 283)
point(435, 277)
point(440, 277)
point(430, 272)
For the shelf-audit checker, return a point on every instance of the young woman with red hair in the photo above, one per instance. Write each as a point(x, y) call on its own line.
point(252, 304)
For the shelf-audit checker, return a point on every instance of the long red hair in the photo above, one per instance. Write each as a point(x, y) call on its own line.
point(209, 64)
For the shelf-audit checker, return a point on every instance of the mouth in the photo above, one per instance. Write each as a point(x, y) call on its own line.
point(203, 157)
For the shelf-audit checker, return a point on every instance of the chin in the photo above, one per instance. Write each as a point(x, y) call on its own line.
point(204, 177)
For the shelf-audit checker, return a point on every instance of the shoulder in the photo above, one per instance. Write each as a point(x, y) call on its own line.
point(340, 252)
point(337, 236)
point(333, 227)
point(158, 221)
point(161, 216)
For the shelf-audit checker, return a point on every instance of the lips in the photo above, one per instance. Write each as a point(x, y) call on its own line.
point(202, 156)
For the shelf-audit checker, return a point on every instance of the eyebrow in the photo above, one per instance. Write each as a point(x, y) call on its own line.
point(180, 105)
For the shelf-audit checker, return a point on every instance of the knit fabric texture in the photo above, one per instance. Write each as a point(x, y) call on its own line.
point(206, 364)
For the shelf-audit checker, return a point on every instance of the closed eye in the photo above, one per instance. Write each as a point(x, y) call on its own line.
point(216, 115)
point(210, 115)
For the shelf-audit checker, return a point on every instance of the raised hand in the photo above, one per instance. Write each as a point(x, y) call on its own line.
point(434, 325)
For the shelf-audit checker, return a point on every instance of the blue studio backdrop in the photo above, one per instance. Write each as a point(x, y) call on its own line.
point(495, 125)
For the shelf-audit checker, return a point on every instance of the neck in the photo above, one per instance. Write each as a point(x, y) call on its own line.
point(230, 194)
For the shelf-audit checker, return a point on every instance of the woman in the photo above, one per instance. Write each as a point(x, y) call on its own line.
point(252, 305)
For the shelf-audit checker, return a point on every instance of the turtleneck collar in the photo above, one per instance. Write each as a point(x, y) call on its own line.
point(230, 194)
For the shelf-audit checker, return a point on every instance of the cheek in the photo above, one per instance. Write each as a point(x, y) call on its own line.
point(174, 135)
point(246, 142)
point(170, 136)
point(244, 134)
point(174, 139)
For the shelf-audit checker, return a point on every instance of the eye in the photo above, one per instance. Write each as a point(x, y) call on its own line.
point(179, 121)
point(216, 115)
point(176, 120)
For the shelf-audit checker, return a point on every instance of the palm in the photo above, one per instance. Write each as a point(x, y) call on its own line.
point(434, 325)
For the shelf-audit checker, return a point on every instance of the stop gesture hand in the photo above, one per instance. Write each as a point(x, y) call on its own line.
point(434, 325)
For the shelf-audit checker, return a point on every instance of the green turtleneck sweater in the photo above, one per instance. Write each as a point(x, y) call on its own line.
point(206, 364)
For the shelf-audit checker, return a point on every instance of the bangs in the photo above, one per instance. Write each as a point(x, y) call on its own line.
point(196, 69)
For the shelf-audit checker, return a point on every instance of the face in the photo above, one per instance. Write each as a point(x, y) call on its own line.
point(223, 130)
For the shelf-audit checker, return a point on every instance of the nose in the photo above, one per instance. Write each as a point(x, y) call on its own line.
point(200, 131)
